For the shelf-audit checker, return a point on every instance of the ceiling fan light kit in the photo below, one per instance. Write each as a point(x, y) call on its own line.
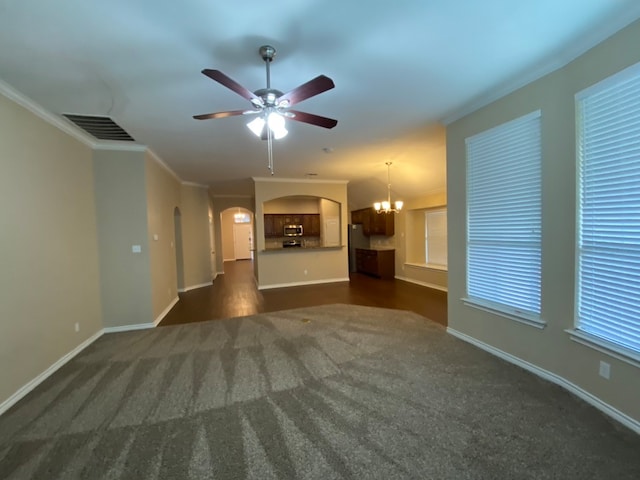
point(271, 105)
point(385, 205)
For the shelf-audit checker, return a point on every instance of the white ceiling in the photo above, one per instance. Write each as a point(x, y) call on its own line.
point(399, 67)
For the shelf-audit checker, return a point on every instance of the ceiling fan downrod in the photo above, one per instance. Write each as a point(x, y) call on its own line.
point(267, 52)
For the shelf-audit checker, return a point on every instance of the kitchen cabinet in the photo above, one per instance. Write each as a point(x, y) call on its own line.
point(374, 223)
point(311, 225)
point(378, 263)
point(356, 216)
point(292, 219)
point(269, 230)
point(274, 224)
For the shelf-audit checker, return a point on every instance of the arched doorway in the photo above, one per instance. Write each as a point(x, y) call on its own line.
point(237, 231)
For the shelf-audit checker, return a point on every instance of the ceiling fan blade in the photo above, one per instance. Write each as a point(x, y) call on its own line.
point(230, 113)
point(307, 90)
point(221, 78)
point(312, 119)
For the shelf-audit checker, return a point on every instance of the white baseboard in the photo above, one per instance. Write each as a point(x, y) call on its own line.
point(424, 284)
point(298, 284)
point(591, 399)
point(29, 386)
point(129, 328)
point(143, 326)
point(165, 311)
point(193, 287)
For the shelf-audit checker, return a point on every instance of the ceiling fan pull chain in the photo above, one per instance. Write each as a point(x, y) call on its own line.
point(270, 149)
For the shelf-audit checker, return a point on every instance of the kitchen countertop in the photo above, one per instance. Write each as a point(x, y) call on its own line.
point(300, 249)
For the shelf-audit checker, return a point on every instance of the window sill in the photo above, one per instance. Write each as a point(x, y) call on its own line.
point(425, 266)
point(604, 346)
point(512, 314)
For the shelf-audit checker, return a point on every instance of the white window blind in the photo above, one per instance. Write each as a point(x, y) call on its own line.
point(436, 237)
point(608, 270)
point(504, 217)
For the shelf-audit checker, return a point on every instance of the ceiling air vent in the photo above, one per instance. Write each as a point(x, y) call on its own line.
point(103, 128)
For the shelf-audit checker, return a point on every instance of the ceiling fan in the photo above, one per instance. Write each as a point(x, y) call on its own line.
point(272, 105)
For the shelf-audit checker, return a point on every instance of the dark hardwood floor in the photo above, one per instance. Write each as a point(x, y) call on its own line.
point(235, 294)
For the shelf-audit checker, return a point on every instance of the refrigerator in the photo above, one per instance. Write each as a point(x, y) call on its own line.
point(356, 239)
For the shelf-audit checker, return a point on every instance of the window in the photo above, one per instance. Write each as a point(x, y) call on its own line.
point(504, 219)
point(435, 233)
point(608, 243)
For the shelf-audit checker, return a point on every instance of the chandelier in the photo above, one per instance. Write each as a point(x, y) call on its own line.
point(385, 206)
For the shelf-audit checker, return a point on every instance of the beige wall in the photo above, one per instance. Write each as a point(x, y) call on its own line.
point(163, 196)
point(125, 276)
point(291, 268)
point(194, 202)
point(292, 205)
point(550, 349)
point(49, 278)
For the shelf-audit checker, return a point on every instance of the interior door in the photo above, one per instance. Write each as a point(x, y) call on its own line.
point(242, 241)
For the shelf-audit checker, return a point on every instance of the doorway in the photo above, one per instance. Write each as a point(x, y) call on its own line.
point(242, 241)
point(237, 234)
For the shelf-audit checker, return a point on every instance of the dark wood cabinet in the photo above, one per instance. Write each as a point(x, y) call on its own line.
point(292, 219)
point(379, 263)
point(274, 224)
point(311, 225)
point(374, 223)
point(269, 229)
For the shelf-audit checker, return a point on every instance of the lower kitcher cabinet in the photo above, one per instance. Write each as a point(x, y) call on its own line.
point(379, 263)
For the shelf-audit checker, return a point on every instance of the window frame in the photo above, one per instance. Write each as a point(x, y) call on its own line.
point(528, 317)
point(581, 335)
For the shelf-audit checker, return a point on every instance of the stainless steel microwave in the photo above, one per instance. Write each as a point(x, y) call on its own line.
point(293, 230)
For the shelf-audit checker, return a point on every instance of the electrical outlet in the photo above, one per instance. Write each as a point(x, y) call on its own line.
point(605, 370)
point(305, 271)
point(77, 326)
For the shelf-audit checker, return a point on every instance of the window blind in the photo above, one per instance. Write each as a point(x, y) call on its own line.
point(436, 237)
point(608, 269)
point(504, 216)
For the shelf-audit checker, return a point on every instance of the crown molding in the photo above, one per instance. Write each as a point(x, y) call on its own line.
point(297, 180)
point(39, 111)
point(556, 61)
point(161, 162)
point(64, 125)
point(230, 196)
point(121, 147)
point(194, 184)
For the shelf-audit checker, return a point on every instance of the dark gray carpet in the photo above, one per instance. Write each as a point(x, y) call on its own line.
point(326, 392)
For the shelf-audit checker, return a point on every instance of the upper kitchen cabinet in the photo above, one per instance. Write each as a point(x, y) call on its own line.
point(318, 217)
point(374, 223)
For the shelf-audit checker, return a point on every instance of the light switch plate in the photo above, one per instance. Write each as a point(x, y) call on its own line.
point(136, 248)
